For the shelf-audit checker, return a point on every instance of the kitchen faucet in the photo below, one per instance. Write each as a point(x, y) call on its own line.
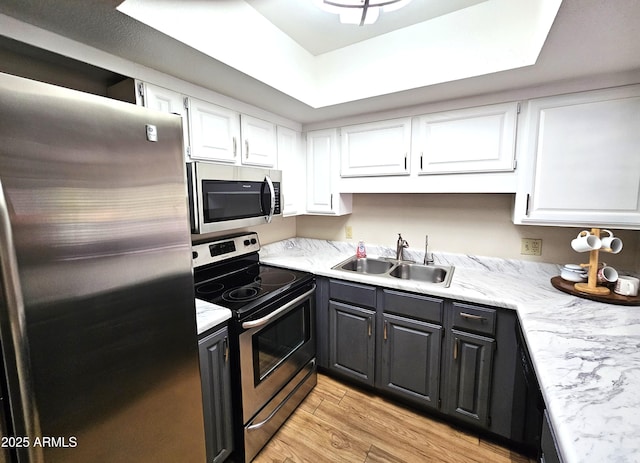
point(428, 258)
point(400, 247)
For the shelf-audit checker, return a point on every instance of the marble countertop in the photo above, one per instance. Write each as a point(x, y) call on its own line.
point(209, 315)
point(586, 354)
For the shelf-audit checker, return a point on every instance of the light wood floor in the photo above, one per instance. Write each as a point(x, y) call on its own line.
point(340, 423)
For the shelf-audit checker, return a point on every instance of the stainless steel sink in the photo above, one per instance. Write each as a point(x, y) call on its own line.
point(391, 268)
point(428, 273)
point(367, 265)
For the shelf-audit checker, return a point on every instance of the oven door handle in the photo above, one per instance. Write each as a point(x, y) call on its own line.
point(264, 320)
point(272, 193)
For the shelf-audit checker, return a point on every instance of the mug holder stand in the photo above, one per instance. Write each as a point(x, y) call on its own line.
point(590, 289)
point(591, 286)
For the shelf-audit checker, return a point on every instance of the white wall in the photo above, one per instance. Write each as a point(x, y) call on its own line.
point(477, 224)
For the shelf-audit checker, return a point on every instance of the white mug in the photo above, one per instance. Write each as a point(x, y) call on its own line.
point(627, 286)
point(607, 275)
point(585, 242)
point(611, 243)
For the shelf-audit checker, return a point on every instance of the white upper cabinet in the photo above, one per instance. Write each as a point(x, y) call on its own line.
point(292, 163)
point(376, 148)
point(259, 145)
point(323, 173)
point(215, 132)
point(582, 153)
point(478, 139)
point(167, 101)
point(162, 99)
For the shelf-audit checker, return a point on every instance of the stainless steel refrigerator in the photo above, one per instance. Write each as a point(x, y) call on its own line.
point(97, 318)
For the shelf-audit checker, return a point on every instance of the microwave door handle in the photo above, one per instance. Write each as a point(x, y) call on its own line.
point(272, 192)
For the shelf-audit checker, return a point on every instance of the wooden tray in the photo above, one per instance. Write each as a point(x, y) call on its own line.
point(612, 298)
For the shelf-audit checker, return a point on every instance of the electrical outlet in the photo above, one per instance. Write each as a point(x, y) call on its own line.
point(531, 247)
point(348, 232)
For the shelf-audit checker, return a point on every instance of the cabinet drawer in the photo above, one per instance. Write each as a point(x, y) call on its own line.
point(473, 318)
point(413, 305)
point(352, 292)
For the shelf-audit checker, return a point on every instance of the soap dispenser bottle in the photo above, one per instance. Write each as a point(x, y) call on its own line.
point(361, 251)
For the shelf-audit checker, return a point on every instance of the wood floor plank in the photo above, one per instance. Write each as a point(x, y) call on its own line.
point(409, 415)
point(377, 455)
point(407, 440)
point(341, 423)
point(330, 389)
point(307, 438)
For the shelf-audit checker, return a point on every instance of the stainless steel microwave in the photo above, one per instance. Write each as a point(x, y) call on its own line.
point(226, 197)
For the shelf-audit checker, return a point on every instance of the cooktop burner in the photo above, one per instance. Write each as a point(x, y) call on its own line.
point(270, 276)
point(244, 293)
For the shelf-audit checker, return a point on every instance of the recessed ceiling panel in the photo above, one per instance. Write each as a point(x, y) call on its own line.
point(319, 32)
point(484, 38)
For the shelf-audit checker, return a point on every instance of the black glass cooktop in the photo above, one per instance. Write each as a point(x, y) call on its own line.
point(247, 288)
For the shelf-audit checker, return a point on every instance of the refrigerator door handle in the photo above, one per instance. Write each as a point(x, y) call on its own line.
point(22, 394)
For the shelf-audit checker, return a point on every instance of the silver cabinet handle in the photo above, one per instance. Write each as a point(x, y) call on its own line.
point(264, 320)
point(27, 422)
point(246, 144)
point(235, 147)
point(469, 316)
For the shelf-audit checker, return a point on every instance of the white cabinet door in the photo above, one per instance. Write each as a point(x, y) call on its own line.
point(259, 146)
point(478, 139)
point(215, 132)
point(376, 148)
point(161, 99)
point(291, 161)
point(323, 174)
point(583, 158)
point(167, 101)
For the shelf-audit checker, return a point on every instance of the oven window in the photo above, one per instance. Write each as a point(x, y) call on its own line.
point(274, 344)
point(230, 200)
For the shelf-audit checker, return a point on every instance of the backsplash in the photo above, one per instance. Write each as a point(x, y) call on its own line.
point(471, 224)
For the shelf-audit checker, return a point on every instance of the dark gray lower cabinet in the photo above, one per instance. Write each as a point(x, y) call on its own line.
point(216, 394)
point(468, 386)
point(549, 449)
point(352, 341)
point(410, 364)
point(451, 356)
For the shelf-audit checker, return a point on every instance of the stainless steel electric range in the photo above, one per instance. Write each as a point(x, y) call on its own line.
point(272, 334)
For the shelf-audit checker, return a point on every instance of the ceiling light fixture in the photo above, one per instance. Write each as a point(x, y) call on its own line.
point(360, 11)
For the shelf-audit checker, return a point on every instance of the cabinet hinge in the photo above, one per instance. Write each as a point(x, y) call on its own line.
point(518, 109)
point(489, 421)
point(189, 151)
point(141, 92)
point(185, 102)
point(439, 403)
point(515, 164)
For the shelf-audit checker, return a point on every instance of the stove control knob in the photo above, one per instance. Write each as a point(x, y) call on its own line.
point(194, 254)
point(253, 241)
point(247, 242)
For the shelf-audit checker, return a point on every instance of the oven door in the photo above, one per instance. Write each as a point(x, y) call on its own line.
point(274, 347)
